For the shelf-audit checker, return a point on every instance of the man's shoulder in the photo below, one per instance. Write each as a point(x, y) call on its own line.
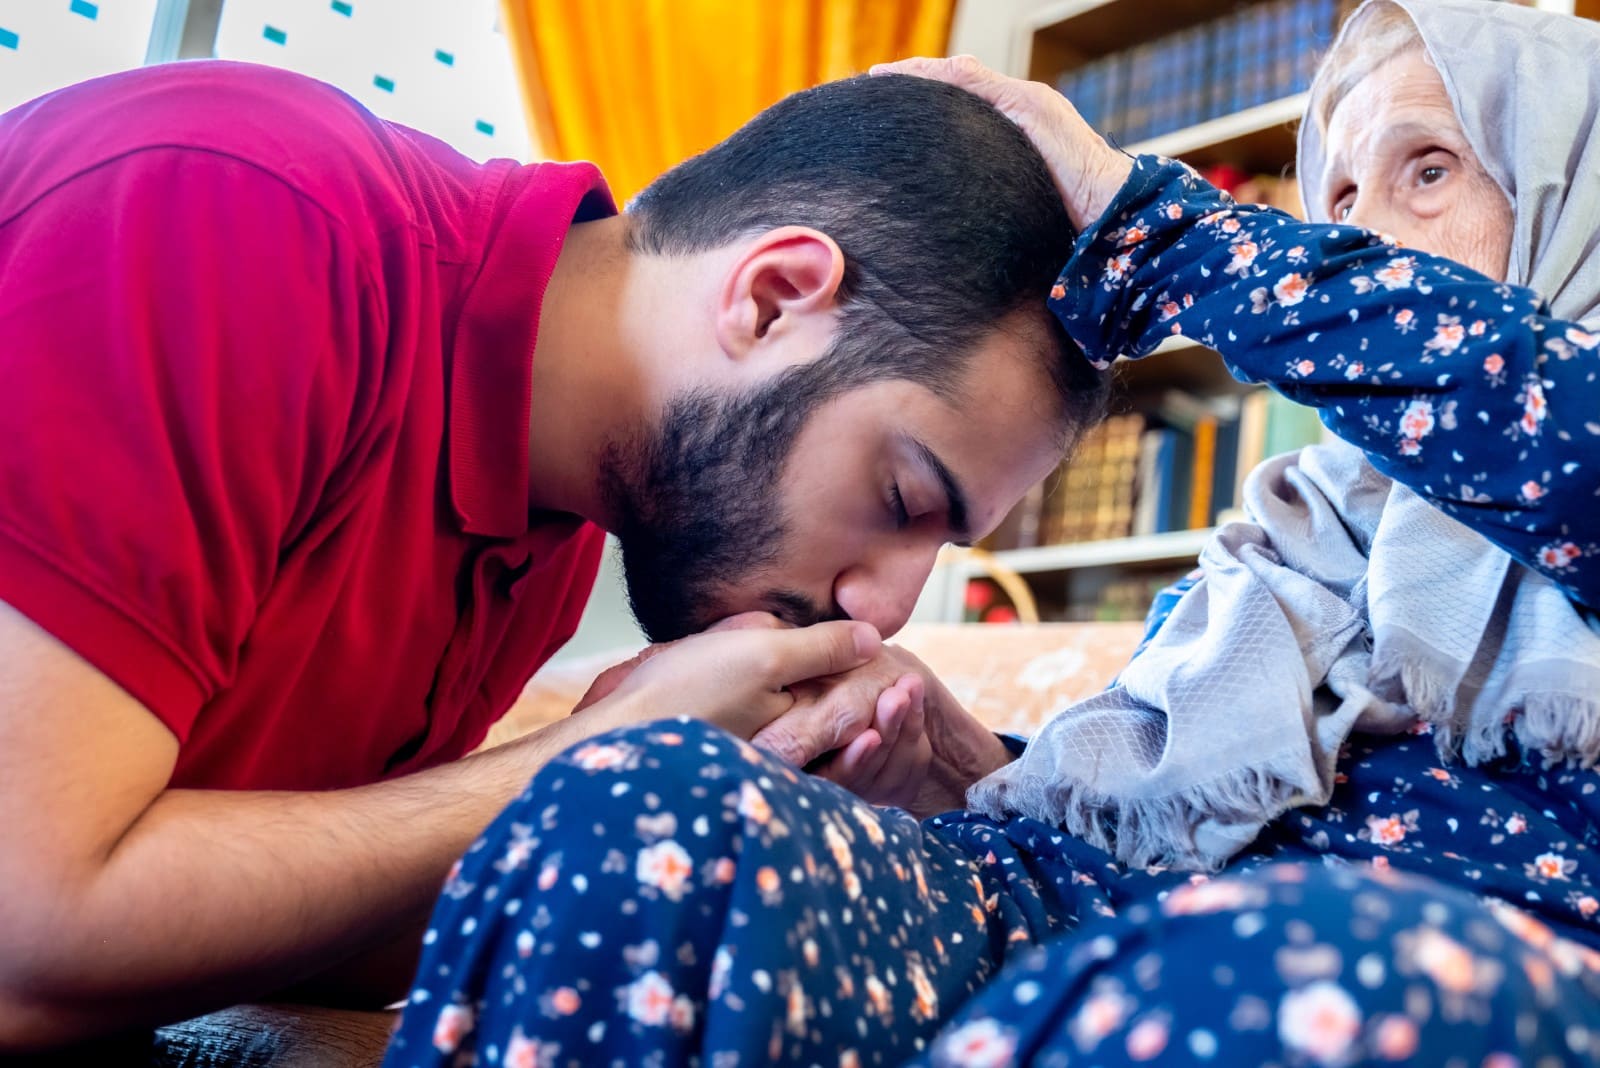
point(288, 127)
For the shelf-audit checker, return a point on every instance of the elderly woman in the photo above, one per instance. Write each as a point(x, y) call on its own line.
point(669, 894)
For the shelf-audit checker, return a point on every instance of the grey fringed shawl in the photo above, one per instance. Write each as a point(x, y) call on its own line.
point(1347, 602)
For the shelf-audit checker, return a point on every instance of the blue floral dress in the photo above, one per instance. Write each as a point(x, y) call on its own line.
point(667, 894)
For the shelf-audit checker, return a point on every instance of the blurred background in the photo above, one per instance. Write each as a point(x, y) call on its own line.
point(638, 85)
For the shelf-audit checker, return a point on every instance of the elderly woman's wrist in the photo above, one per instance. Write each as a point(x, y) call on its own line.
point(1102, 180)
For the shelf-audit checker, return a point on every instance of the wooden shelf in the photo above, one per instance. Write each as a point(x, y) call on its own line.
point(1178, 364)
point(1261, 138)
point(1150, 548)
point(1064, 35)
point(954, 570)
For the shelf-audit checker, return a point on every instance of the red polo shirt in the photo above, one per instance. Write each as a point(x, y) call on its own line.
point(264, 400)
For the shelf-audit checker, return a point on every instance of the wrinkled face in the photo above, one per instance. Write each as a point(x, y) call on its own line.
point(834, 509)
point(1399, 163)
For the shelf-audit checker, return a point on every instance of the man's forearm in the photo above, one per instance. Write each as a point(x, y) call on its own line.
point(212, 897)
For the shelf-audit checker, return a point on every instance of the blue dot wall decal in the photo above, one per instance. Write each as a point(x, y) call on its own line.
point(84, 8)
point(8, 38)
point(343, 8)
point(444, 57)
point(273, 34)
point(386, 84)
point(484, 127)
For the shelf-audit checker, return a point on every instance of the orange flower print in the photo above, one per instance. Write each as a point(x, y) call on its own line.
point(1533, 407)
point(1099, 1015)
point(1170, 309)
point(849, 1059)
point(1550, 866)
point(1355, 370)
point(1244, 254)
point(650, 999)
point(1447, 336)
point(877, 996)
point(1532, 491)
point(1558, 556)
point(1304, 367)
point(983, 1043)
point(606, 756)
point(753, 805)
point(1174, 211)
point(1441, 958)
point(1395, 1038)
point(1398, 273)
point(1133, 235)
point(770, 885)
point(1588, 905)
point(1117, 267)
point(1223, 895)
point(1147, 1039)
point(926, 1003)
point(1230, 226)
point(1494, 363)
point(525, 1052)
point(1477, 328)
point(1320, 1020)
point(796, 1011)
point(1058, 291)
point(1516, 823)
point(1417, 422)
point(869, 823)
point(681, 1015)
point(564, 1001)
point(1405, 319)
point(549, 872)
point(1523, 926)
point(454, 1022)
point(1582, 338)
point(665, 866)
point(1390, 831)
point(1291, 289)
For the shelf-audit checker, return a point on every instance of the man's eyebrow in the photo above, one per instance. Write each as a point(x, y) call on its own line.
point(955, 496)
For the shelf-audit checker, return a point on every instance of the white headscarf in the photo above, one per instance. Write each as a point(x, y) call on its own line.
point(1525, 85)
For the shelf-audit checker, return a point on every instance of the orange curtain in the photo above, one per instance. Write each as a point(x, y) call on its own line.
point(639, 85)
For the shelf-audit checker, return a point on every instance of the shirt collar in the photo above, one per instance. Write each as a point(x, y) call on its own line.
point(492, 357)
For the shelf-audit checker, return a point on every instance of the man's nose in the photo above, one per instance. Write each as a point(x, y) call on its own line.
point(883, 590)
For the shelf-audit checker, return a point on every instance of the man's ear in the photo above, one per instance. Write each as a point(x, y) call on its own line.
point(785, 282)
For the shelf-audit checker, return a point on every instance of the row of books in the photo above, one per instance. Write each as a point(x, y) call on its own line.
point(1176, 462)
point(1257, 54)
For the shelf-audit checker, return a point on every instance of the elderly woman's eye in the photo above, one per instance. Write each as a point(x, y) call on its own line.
point(1430, 175)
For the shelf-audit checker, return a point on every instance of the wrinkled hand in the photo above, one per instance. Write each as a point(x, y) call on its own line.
point(1087, 171)
point(607, 681)
point(890, 732)
point(736, 678)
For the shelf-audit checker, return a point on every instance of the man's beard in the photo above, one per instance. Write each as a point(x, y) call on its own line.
point(698, 509)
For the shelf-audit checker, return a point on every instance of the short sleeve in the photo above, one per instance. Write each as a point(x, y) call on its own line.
point(178, 332)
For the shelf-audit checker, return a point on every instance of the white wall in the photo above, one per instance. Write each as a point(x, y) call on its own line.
point(46, 44)
point(443, 68)
point(446, 65)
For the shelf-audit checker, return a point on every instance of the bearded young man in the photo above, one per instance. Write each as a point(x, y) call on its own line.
point(312, 431)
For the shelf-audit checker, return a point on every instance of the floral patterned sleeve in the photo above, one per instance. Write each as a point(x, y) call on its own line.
point(1464, 389)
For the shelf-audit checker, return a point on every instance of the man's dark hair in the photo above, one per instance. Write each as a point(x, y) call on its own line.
point(950, 226)
point(947, 217)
